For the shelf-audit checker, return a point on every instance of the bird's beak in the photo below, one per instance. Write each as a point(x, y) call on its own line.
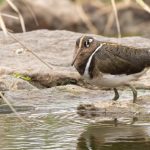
point(78, 51)
point(76, 56)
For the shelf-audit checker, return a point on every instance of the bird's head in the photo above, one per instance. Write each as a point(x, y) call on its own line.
point(85, 46)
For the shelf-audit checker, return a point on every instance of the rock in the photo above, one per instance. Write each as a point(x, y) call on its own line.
point(8, 83)
point(48, 96)
point(56, 48)
point(69, 96)
point(112, 109)
point(27, 64)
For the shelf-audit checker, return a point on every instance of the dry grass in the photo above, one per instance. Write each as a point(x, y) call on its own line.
point(31, 12)
point(106, 8)
point(2, 25)
point(12, 5)
point(29, 50)
point(88, 22)
point(85, 18)
point(143, 5)
point(12, 108)
point(116, 18)
point(20, 17)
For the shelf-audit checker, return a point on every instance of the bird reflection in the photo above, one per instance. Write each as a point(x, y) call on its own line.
point(116, 136)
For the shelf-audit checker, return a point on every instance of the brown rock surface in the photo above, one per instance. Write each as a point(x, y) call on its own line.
point(95, 103)
point(8, 82)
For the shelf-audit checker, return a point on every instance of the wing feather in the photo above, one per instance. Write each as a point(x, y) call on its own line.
point(114, 61)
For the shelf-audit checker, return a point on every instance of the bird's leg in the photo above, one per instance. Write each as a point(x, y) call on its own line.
point(115, 122)
point(116, 94)
point(134, 119)
point(134, 92)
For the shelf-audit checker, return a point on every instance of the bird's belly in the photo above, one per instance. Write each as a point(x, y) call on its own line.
point(108, 80)
point(111, 80)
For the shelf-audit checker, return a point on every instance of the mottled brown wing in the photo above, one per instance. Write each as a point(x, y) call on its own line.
point(108, 61)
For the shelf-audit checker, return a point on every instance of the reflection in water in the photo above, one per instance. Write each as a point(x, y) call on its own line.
point(56, 126)
point(121, 137)
point(70, 133)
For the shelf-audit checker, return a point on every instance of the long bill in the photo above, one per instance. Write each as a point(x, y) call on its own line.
point(75, 58)
point(78, 50)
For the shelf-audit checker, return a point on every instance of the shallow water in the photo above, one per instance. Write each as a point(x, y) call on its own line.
point(58, 127)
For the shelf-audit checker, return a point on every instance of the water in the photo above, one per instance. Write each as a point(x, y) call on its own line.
point(108, 137)
point(52, 132)
point(56, 126)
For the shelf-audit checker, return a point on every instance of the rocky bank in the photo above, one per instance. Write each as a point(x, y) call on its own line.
point(26, 81)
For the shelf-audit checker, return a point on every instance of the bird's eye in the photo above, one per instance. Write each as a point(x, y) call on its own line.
point(88, 42)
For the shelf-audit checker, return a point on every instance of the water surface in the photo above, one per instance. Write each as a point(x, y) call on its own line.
point(57, 126)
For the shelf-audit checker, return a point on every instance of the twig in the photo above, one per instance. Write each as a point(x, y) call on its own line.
point(109, 23)
point(32, 13)
point(107, 9)
point(116, 17)
point(12, 108)
point(9, 16)
point(3, 26)
point(85, 18)
point(19, 14)
point(143, 5)
point(12, 36)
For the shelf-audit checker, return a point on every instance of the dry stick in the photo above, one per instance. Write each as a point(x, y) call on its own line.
point(12, 108)
point(32, 13)
point(106, 9)
point(9, 16)
point(12, 5)
point(85, 18)
point(3, 26)
point(2, 23)
point(49, 66)
point(109, 23)
point(143, 5)
point(116, 17)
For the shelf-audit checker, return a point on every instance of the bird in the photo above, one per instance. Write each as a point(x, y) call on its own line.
point(111, 65)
